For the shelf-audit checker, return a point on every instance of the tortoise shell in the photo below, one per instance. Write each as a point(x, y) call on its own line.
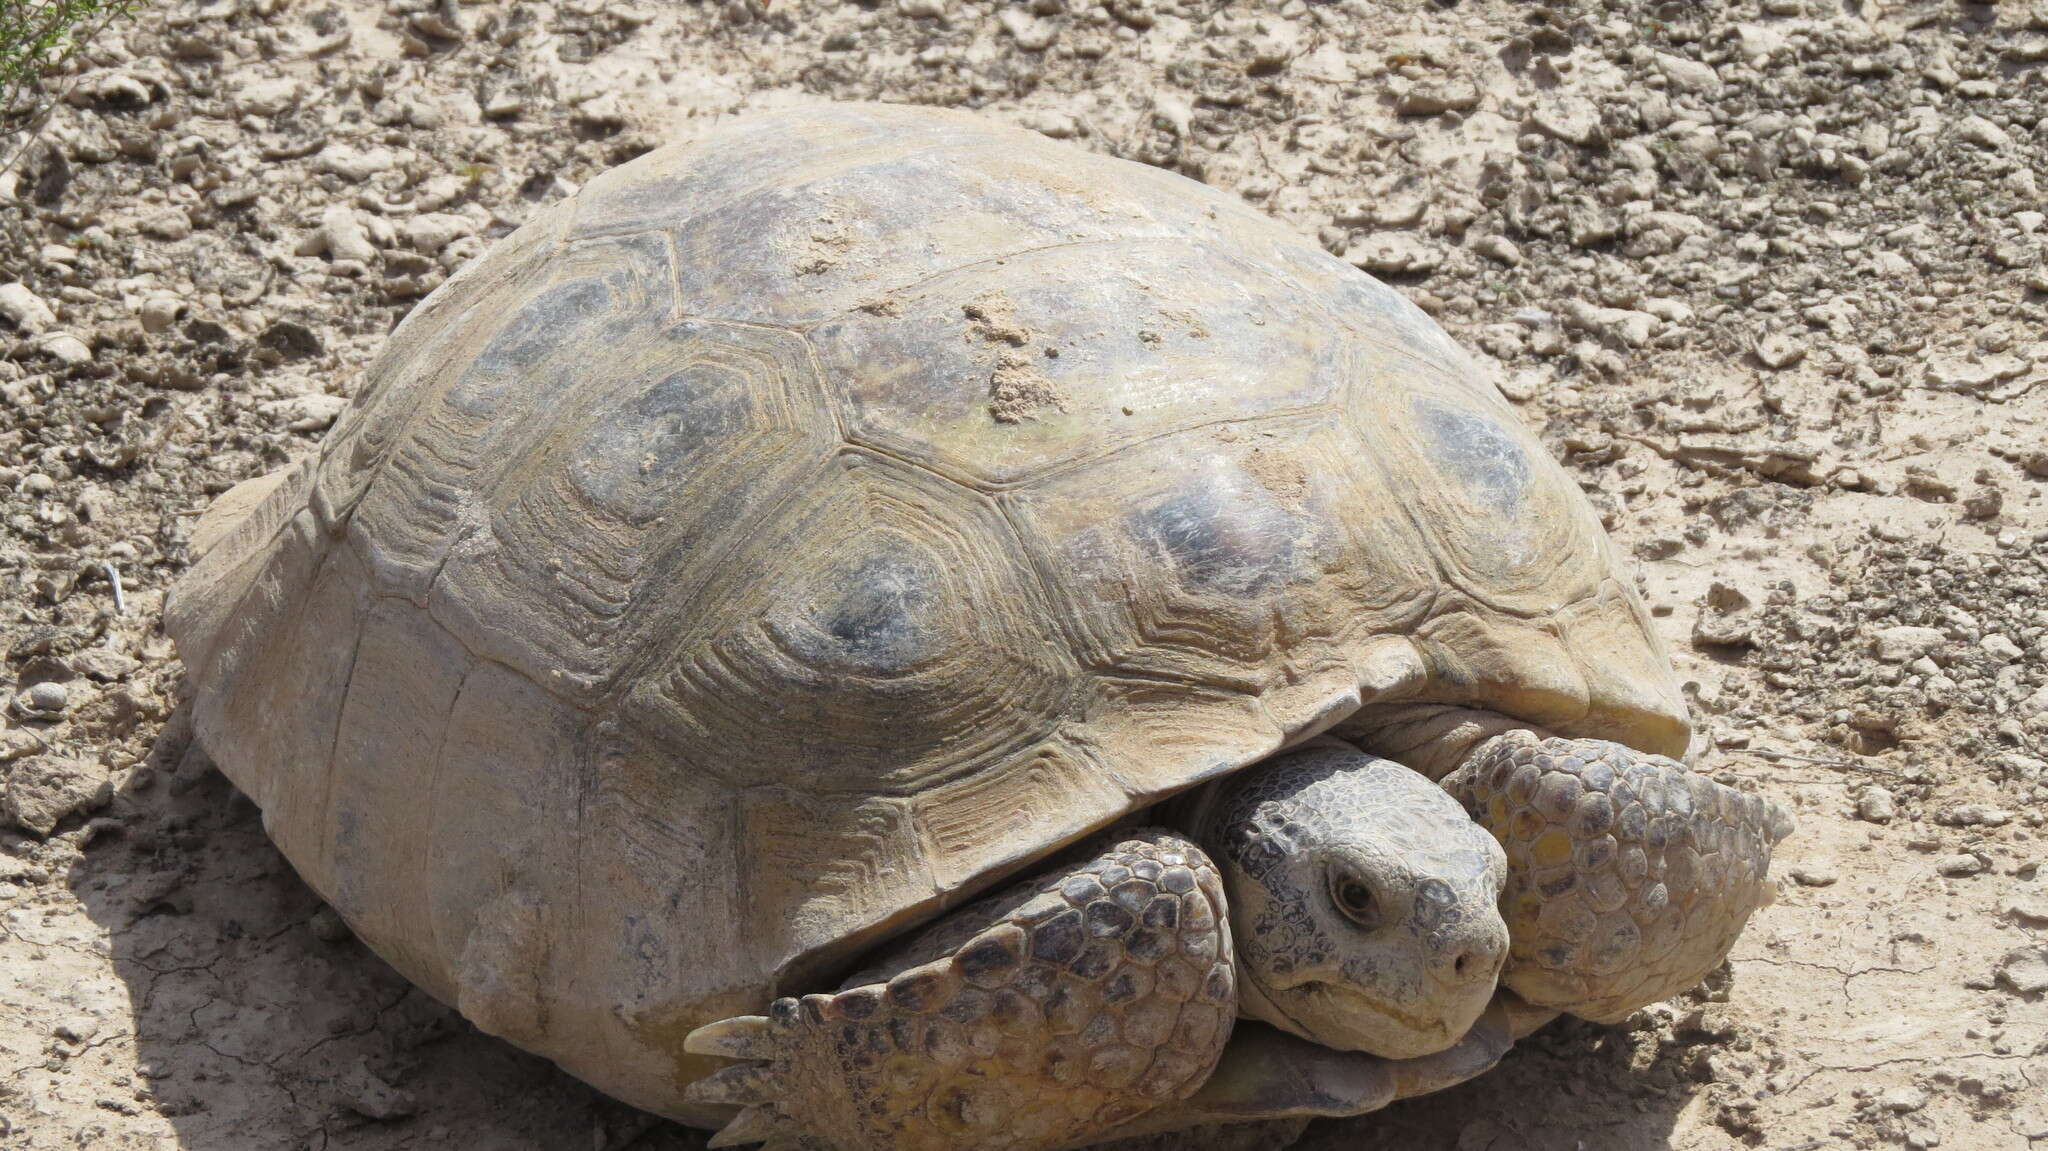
point(799, 529)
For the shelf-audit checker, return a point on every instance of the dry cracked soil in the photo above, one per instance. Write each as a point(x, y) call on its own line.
point(1768, 277)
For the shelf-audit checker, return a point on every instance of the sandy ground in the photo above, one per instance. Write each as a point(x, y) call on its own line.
point(1768, 276)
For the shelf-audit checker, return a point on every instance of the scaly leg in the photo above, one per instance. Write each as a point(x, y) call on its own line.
point(1106, 993)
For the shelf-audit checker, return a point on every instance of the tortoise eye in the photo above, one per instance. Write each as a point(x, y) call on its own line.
point(1355, 898)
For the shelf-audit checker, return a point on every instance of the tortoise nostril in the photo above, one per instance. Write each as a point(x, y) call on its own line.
point(1461, 964)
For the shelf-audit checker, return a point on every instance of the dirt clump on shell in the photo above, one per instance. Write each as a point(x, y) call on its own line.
point(1768, 277)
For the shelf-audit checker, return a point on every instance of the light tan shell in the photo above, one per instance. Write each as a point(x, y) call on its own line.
point(802, 528)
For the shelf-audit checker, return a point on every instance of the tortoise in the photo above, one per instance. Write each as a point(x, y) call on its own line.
point(1002, 611)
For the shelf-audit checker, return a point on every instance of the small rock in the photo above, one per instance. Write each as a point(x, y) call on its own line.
point(265, 97)
point(42, 700)
point(1975, 815)
point(65, 348)
point(1905, 644)
point(1048, 123)
point(1814, 875)
point(434, 231)
point(159, 312)
point(1689, 75)
point(1573, 120)
point(1499, 249)
point(2027, 910)
point(1876, 805)
point(371, 1097)
point(103, 664)
point(1629, 327)
point(1778, 351)
point(1394, 255)
point(2025, 970)
point(1434, 99)
point(343, 236)
point(327, 926)
point(2000, 648)
point(355, 164)
point(77, 1029)
point(1977, 130)
point(309, 413)
point(1960, 866)
point(44, 789)
point(1903, 1100)
point(24, 309)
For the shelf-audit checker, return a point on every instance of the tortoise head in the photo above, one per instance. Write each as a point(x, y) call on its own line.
point(1363, 900)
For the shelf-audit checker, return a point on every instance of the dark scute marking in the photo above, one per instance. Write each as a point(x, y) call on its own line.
point(985, 957)
point(1059, 939)
point(1236, 547)
point(1096, 960)
point(1122, 989)
point(1163, 913)
point(536, 329)
point(1434, 901)
point(1106, 918)
point(1478, 453)
point(858, 1004)
point(638, 445)
point(1149, 945)
point(917, 991)
point(873, 618)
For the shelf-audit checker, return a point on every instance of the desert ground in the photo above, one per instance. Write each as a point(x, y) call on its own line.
point(1767, 276)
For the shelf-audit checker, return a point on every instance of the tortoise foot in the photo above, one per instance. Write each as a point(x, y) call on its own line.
point(1629, 876)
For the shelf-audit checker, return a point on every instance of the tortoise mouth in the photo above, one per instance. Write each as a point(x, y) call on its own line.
point(1349, 1019)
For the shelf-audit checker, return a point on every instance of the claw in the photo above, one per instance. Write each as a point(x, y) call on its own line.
point(746, 1037)
point(753, 1125)
point(742, 1086)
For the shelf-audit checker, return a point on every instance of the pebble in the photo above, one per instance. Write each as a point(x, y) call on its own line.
point(266, 96)
point(1499, 249)
point(433, 231)
point(1903, 1100)
point(1394, 255)
point(1905, 644)
point(1977, 130)
point(1876, 805)
point(2028, 910)
point(1778, 351)
point(1689, 75)
point(45, 789)
point(2025, 969)
point(1814, 875)
point(160, 311)
point(103, 664)
point(64, 348)
point(43, 699)
point(371, 1097)
point(343, 236)
point(24, 309)
point(1975, 815)
point(309, 413)
point(2000, 648)
point(1960, 866)
point(1568, 118)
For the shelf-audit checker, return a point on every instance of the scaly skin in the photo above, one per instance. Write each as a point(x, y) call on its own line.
point(1629, 876)
point(1107, 994)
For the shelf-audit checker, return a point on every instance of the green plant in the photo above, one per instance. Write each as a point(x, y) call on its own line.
point(38, 37)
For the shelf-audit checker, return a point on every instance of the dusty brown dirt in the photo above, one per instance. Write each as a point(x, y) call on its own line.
point(1768, 276)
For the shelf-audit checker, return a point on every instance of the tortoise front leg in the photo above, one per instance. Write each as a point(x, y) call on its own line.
point(1629, 876)
point(1104, 994)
